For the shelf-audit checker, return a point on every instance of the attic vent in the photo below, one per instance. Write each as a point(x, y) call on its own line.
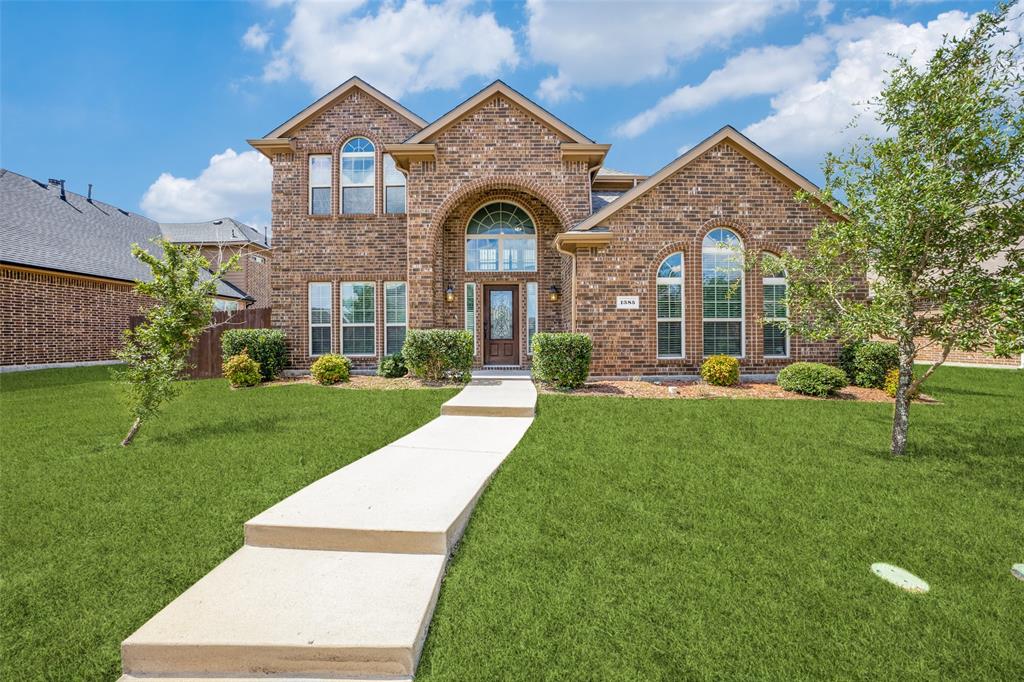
point(123, 211)
point(217, 222)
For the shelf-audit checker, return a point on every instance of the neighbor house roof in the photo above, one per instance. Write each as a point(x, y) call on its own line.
point(39, 229)
point(219, 231)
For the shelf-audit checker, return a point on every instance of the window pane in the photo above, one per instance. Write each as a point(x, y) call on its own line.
point(672, 266)
point(392, 176)
point(519, 254)
point(774, 340)
point(357, 200)
point(500, 218)
point(357, 170)
point(320, 340)
point(358, 144)
point(482, 254)
point(722, 338)
point(774, 303)
point(470, 323)
point(395, 337)
point(358, 341)
point(320, 170)
point(394, 303)
point(531, 315)
point(358, 303)
point(320, 303)
point(321, 204)
point(394, 198)
point(670, 339)
point(670, 300)
point(501, 315)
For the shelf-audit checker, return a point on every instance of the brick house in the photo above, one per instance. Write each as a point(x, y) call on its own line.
point(500, 218)
point(67, 273)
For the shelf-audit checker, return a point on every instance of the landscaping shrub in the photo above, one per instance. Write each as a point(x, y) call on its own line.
point(721, 370)
point(812, 378)
point(392, 366)
point(871, 361)
point(241, 370)
point(265, 346)
point(847, 358)
point(439, 354)
point(331, 369)
point(892, 380)
point(563, 359)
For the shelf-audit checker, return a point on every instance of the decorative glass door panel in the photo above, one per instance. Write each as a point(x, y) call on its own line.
point(501, 315)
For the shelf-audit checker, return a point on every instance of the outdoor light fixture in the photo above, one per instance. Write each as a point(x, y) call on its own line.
point(553, 293)
point(449, 293)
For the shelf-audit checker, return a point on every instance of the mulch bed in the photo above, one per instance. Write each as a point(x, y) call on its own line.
point(363, 381)
point(699, 389)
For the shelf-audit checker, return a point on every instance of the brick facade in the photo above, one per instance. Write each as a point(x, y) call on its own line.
point(252, 276)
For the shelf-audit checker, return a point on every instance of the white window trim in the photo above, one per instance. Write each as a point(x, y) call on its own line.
point(330, 316)
point(470, 316)
point(536, 304)
point(681, 281)
point(388, 351)
point(387, 186)
point(769, 281)
point(311, 186)
point(341, 174)
point(742, 319)
point(372, 325)
point(500, 238)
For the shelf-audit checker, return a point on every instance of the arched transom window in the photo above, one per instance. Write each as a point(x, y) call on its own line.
point(501, 237)
point(670, 307)
point(722, 279)
point(357, 176)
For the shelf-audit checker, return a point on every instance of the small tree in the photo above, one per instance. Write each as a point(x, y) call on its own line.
point(155, 352)
point(932, 216)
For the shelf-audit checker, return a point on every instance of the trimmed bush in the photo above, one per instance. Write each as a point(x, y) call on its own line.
point(331, 369)
point(812, 378)
point(241, 370)
point(721, 370)
point(867, 363)
point(392, 366)
point(892, 380)
point(847, 358)
point(562, 359)
point(265, 346)
point(439, 354)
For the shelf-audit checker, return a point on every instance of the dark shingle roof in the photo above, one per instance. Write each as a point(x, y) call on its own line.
point(220, 231)
point(39, 229)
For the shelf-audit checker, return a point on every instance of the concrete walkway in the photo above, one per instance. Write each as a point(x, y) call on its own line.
point(341, 578)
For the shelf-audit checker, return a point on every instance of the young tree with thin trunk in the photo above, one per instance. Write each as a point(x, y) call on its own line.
point(155, 352)
point(932, 218)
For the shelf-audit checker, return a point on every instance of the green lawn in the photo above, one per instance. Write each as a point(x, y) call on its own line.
point(668, 540)
point(96, 538)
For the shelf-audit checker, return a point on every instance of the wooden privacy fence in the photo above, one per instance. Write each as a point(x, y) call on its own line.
point(205, 360)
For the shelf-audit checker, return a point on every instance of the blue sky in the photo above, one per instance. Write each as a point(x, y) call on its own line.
point(152, 101)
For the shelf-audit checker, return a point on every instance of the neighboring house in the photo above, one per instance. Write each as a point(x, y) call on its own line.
point(500, 218)
point(67, 273)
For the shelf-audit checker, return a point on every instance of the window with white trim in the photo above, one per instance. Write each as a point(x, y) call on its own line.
point(358, 176)
point(358, 318)
point(394, 186)
point(319, 318)
point(722, 283)
point(670, 307)
point(396, 316)
point(776, 339)
point(219, 304)
point(531, 315)
point(320, 184)
point(501, 237)
point(471, 311)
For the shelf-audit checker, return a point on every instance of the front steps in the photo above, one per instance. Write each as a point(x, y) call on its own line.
point(340, 580)
point(518, 398)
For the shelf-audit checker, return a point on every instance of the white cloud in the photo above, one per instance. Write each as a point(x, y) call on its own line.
point(232, 185)
point(823, 9)
point(605, 43)
point(256, 38)
point(403, 48)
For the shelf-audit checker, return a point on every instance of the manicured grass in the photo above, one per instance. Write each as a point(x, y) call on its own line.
point(631, 539)
point(96, 538)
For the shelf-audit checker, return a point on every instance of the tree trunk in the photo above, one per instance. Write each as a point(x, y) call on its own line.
point(131, 432)
point(901, 411)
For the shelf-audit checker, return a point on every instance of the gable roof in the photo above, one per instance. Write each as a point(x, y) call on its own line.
point(219, 231)
point(355, 82)
point(727, 133)
point(495, 88)
point(39, 229)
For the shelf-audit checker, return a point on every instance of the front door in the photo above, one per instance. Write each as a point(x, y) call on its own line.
point(501, 325)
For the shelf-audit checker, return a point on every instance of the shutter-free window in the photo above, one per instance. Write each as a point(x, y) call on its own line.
point(722, 284)
point(319, 318)
point(670, 307)
point(358, 318)
point(395, 316)
point(394, 187)
point(358, 176)
point(320, 184)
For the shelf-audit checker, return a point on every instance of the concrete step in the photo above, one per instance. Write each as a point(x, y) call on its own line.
point(261, 678)
point(281, 612)
point(494, 397)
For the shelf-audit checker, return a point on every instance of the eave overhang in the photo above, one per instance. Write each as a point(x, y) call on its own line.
point(568, 242)
point(591, 153)
point(405, 153)
point(272, 145)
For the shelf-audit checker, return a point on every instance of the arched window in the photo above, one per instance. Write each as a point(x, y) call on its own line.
point(670, 307)
point(357, 176)
point(776, 340)
point(722, 276)
point(501, 237)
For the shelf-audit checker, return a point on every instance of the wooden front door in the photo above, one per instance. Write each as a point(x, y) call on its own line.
point(501, 325)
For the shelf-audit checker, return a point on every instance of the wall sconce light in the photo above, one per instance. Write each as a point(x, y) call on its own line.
point(553, 293)
point(449, 293)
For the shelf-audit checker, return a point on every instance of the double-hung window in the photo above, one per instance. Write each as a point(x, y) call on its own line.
point(776, 340)
point(531, 315)
point(670, 307)
point(471, 311)
point(358, 318)
point(358, 176)
point(394, 186)
point(319, 318)
point(722, 275)
point(396, 311)
point(320, 184)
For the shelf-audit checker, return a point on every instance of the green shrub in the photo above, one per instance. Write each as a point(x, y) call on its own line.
point(392, 366)
point(892, 380)
point(331, 369)
point(562, 360)
point(721, 370)
point(439, 354)
point(265, 346)
point(241, 370)
point(871, 361)
point(847, 358)
point(812, 378)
